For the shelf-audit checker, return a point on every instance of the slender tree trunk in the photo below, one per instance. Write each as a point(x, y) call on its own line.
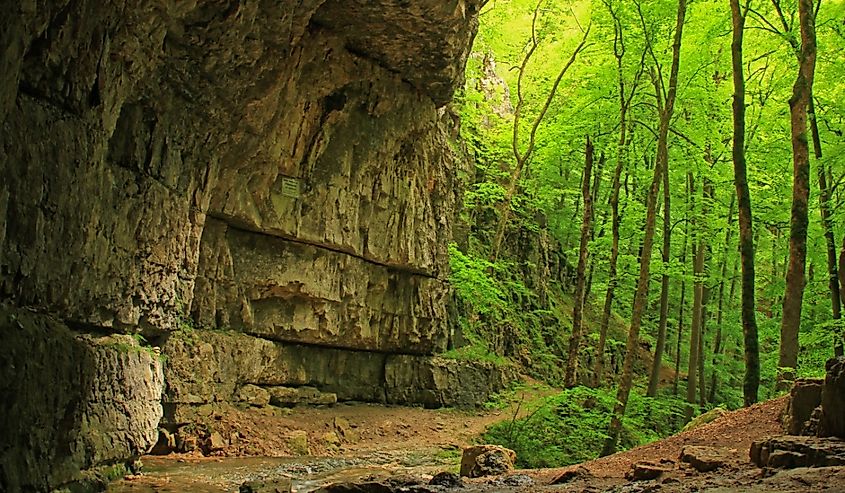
point(793, 296)
point(664, 290)
point(717, 344)
point(751, 382)
point(697, 308)
point(616, 218)
point(522, 158)
point(681, 306)
point(641, 295)
point(596, 185)
point(840, 337)
point(830, 241)
point(571, 377)
point(705, 300)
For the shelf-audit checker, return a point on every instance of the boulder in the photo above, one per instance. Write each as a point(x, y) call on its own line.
point(706, 459)
point(790, 451)
point(215, 442)
point(296, 396)
point(703, 419)
point(646, 471)
point(253, 395)
point(804, 397)
point(280, 485)
point(71, 401)
point(832, 419)
point(487, 460)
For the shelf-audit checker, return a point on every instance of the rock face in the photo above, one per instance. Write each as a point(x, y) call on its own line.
point(832, 420)
point(71, 402)
point(207, 367)
point(278, 171)
point(788, 452)
point(804, 397)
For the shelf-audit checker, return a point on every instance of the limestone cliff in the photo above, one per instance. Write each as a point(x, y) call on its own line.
point(277, 169)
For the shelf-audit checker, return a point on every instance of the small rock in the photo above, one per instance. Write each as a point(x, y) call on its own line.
point(298, 443)
point(253, 395)
point(281, 485)
point(215, 442)
point(518, 480)
point(166, 443)
point(571, 475)
point(487, 460)
point(447, 480)
point(186, 442)
point(645, 471)
point(345, 430)
point(705, 459)
point(331, 439)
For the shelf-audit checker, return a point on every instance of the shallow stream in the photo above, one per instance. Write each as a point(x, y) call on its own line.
point(226, 474)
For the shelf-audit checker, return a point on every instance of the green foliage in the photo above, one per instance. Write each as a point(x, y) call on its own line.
point(472, 282)
point(568, 428)
point(506, 310)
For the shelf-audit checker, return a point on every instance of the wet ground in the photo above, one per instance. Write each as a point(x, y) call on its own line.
point(226, 474)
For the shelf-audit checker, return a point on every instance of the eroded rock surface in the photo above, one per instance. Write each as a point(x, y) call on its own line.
point(832, 419)
point(789, 451)
point(804, 397)
point(280, 170)
point(70, 401)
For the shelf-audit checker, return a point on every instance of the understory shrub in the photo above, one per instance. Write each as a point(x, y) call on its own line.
point(570, 427)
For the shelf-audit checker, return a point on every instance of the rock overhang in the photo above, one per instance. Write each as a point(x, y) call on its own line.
point(426, 42)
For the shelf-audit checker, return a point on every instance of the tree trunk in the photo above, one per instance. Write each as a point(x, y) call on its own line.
point(681, 312)
point(830, 242)
point(717, 344)
point(664, 290)
point(522, 158)
point(641, 295)
point(751, 382)
point(705, 300)
point(616, 218)
point(596, 185)
point(697, 310)
point(793, 296)
point(571, 378)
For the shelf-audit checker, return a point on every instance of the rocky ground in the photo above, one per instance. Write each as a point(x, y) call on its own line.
point(402, 448)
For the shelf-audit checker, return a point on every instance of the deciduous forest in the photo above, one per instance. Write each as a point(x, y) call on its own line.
point(653, 216)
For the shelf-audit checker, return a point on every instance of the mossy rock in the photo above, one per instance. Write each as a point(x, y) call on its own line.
point(703, 419)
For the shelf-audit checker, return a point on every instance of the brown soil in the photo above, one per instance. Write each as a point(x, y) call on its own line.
point(735, 431)
point(266, 432)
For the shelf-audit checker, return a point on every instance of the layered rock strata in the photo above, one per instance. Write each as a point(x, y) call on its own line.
point(278, 170)
point(78, 402)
